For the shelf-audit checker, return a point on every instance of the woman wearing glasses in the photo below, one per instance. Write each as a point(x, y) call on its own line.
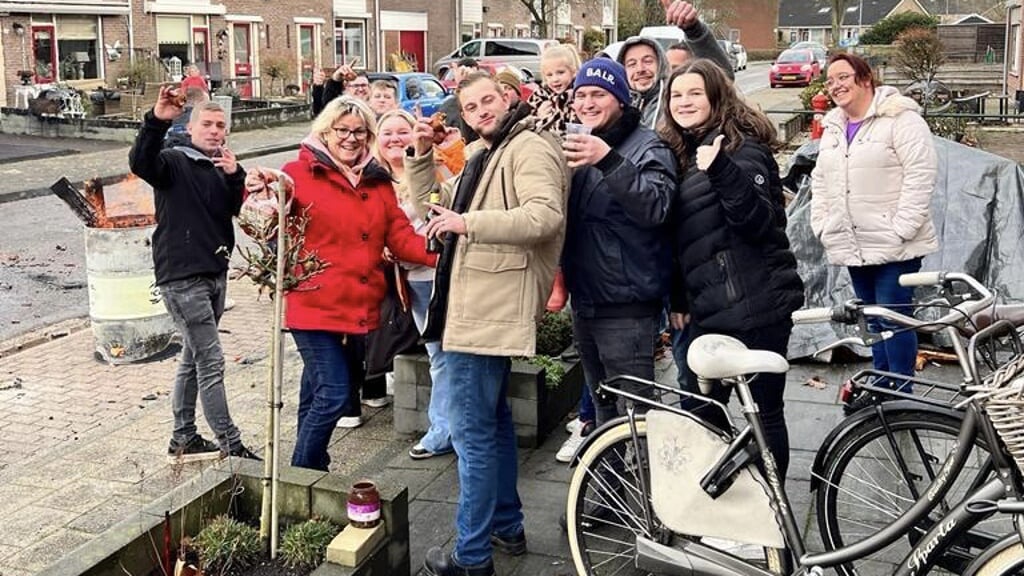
point(871, 196)
point(353, 215)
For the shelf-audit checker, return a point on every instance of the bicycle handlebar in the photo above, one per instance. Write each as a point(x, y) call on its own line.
point(851, 311)
point(921, 279)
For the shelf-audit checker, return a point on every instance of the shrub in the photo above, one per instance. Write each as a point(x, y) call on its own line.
point(554, 371)
point(920, 54)
point(305, 544)
point(554, 333)
point(815, 87)
point(593, 41)
point(226, 544)
point(277, 70)
point(886, 30)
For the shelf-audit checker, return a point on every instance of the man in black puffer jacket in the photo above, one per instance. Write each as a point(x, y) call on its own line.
point(617, 256)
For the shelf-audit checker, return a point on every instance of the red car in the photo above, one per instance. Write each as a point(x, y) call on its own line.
point(527, 87)
point(794, 67)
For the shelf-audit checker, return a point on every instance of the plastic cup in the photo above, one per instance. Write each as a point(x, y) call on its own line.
point(574, 128)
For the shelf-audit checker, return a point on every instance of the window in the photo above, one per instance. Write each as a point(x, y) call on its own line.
point(470, 32)
point(495, 30)
point(511, 48)
point(77, 43)
point(522, 31)
point(563, 31)
point(470, 50)
point(1015, 39)
point(431, 89)
point(350, 42)
point(173, 35)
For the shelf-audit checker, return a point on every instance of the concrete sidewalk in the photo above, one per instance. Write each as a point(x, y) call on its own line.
point(84, 444)
point(31, 178)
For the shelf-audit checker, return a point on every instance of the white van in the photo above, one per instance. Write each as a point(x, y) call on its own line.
point(664, 35)
point(518, 52)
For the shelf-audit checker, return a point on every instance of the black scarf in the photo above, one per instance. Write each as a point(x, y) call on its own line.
point(620, 130)
point(469, 181)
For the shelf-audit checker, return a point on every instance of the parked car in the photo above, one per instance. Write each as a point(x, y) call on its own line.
point(415, 88)
point(819, 50)
point(529, 83)
point(730, 54)
point(741, 55)
point(518, 52)
point(794, 67)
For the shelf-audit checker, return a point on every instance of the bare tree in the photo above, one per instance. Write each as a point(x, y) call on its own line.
point(545, 12)
point(837, 9)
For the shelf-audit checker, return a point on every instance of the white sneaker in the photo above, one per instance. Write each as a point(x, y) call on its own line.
point(569, 447)
point(229, 303)
point(376, 402)
point(350, 422)
point(572, 425)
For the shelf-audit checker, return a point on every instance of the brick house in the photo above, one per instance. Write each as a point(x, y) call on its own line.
point(91, 43)
point(809, 20)
point(752, 23)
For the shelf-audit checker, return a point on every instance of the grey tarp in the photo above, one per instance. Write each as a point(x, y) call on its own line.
point(978, 211)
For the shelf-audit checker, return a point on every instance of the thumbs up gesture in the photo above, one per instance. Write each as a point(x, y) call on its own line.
point(707, 154)
point(679, 13)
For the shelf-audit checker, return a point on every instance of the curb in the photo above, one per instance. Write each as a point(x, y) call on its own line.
point(114, 178)
point(43, 335)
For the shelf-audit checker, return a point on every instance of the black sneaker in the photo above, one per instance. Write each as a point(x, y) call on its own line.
point(241, 451)
point(439, 563)
point(513, 545)
point(195, 450)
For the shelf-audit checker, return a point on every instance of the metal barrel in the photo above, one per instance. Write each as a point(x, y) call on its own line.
point(128, 317)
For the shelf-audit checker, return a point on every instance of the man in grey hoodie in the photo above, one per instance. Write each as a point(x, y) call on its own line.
point(646, 64)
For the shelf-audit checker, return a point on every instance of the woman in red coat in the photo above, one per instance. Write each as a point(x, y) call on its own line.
point(353, 215)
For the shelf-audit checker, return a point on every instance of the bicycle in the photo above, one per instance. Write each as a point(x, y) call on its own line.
point(879, 460)
point(736, 517)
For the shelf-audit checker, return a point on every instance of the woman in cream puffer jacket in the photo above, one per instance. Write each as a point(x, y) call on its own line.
point(871, 195)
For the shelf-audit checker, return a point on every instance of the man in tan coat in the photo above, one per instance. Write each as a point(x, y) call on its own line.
point(502, 236)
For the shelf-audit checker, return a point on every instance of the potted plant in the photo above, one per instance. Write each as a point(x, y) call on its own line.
point(542, 389)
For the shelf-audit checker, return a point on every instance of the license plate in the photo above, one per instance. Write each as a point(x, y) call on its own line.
point(789, 77)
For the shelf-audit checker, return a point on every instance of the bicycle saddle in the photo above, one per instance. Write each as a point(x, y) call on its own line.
point(717, 357)
point(1012, 313)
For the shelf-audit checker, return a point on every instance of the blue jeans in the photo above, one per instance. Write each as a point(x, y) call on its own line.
point(879, 284)
point(196, 305)
point(680, 345)
point(332, 370)
point(438, 438)
point(485, 441)
point(615, 347)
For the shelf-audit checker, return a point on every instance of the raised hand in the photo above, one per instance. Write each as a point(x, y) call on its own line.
point(679, 13)
point(584, 150)
point(706, 154)
point(170, 103)
point(226, 160)
point(423, 136)
point(319, 77)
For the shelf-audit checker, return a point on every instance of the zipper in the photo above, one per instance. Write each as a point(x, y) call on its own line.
point(730, 287)
point(504, 195)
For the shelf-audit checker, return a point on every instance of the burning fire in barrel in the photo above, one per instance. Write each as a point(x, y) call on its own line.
point(128, 317)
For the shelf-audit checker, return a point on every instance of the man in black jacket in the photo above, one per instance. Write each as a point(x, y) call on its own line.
point(617, 255)
point(198, 187)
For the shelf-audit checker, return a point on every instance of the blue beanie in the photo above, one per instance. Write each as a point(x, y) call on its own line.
point(607, 74)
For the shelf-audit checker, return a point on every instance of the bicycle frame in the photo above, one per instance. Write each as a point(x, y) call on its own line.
point(696, 559)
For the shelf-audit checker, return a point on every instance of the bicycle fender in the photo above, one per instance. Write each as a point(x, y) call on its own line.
point(990, 552)
point(846, 426)
point(594, 435)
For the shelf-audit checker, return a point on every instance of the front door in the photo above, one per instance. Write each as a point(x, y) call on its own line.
point(413, 47)
point(242, 35)
point(44, 53)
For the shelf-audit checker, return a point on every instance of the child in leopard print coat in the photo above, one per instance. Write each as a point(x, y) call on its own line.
point(552, 102)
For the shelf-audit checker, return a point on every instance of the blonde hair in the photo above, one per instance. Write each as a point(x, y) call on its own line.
point(563, 52)
point(344, 106)
point(397, 113)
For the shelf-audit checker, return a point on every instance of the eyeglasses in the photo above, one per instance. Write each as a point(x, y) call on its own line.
point(344, 133)
point(837, 79)
point(359, 85)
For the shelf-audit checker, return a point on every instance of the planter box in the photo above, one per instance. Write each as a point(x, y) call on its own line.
point(536, 408)
point(235, 486)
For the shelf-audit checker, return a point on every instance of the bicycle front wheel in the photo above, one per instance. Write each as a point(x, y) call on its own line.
point(605, 510)
point(1007, 562)
point(880, 469)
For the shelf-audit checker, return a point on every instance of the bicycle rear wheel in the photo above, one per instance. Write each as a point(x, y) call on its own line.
point(1007, 562)
point(605, 510)
point(879, 470)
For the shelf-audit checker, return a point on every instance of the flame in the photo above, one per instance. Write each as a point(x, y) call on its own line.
point(126, 204)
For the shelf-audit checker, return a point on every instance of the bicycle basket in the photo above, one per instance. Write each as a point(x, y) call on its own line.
point(1003, 401)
